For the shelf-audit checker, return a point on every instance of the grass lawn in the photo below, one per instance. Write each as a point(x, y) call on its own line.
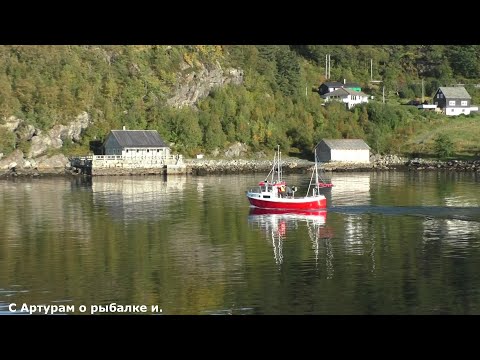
point(463, 132)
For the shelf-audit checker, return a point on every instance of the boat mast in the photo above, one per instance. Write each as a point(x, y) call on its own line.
point(279, 164)
point(310, 184)
point(272, 170)
point(314, 172)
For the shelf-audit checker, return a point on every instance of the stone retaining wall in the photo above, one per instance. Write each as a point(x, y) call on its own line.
point(290, 165)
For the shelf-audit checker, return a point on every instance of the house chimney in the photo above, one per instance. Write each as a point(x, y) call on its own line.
point(344, 81)
point(124, 127)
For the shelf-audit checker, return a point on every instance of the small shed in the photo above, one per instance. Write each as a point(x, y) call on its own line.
point(345, 150)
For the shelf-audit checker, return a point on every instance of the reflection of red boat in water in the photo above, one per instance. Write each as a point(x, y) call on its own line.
point(273, 192)
point(312, 214)
point(278, 223)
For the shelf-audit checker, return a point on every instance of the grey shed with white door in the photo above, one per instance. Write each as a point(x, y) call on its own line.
point(345, 150)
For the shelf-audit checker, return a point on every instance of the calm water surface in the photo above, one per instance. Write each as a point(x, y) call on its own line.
point(389, 243)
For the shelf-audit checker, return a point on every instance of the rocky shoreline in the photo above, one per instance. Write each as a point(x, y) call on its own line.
point(295, 165)
point(201, 167)
point(44, 158)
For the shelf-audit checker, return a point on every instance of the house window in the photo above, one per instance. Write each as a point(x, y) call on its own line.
point(463, 110)
point(464, 103)
point(127, 151)
point(451, 102)
point(138, 150)
point(148, 150)
point(452, 110)
point(158, 150)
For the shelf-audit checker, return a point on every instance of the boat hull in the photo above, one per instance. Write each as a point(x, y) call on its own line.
point(255, 211)
point(306, 203)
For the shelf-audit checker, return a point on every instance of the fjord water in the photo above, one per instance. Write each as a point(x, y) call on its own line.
point(389, 243)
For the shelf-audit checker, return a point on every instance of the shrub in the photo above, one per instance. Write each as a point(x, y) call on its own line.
point(443, 146)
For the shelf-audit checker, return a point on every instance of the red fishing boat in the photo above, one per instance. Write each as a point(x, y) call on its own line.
point(274, 193)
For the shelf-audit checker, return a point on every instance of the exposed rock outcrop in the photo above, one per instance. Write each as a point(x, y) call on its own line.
point(41, 143)
point(55, 164)
point(17, 163)
point(236, 150)
point(25, 131)
point(198, 83)
point(54, 138)
point(11, 123)
point(12, 161)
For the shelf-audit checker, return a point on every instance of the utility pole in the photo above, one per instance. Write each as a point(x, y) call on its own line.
point(422, 92)
point(383, 91)
point(329, 65)
point(326, 66)
point(371, 69)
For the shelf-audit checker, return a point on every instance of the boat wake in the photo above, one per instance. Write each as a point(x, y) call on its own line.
point(444, 212)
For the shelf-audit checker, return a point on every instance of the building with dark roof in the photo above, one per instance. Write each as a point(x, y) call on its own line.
point(454, 100)
point(330, 86)
point(347, 96)
point(127, 152)
point(345, 150)
point(136, 144)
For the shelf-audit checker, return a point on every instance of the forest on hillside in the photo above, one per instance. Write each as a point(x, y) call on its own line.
point(277, 102)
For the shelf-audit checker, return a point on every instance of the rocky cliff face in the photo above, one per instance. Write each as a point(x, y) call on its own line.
point(195, 84)
point(55, 137)
point(36, 161)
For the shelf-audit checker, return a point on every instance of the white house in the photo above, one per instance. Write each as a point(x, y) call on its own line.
point(345, 150)
point(136, 144)
point(454, 100)
point(348, 96)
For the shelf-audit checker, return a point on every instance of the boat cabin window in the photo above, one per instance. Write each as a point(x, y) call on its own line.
point(266, 196)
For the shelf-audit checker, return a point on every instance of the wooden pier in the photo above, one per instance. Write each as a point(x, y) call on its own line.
point(82, 164)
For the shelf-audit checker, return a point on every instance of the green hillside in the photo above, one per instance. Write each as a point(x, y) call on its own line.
point(276, 103)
